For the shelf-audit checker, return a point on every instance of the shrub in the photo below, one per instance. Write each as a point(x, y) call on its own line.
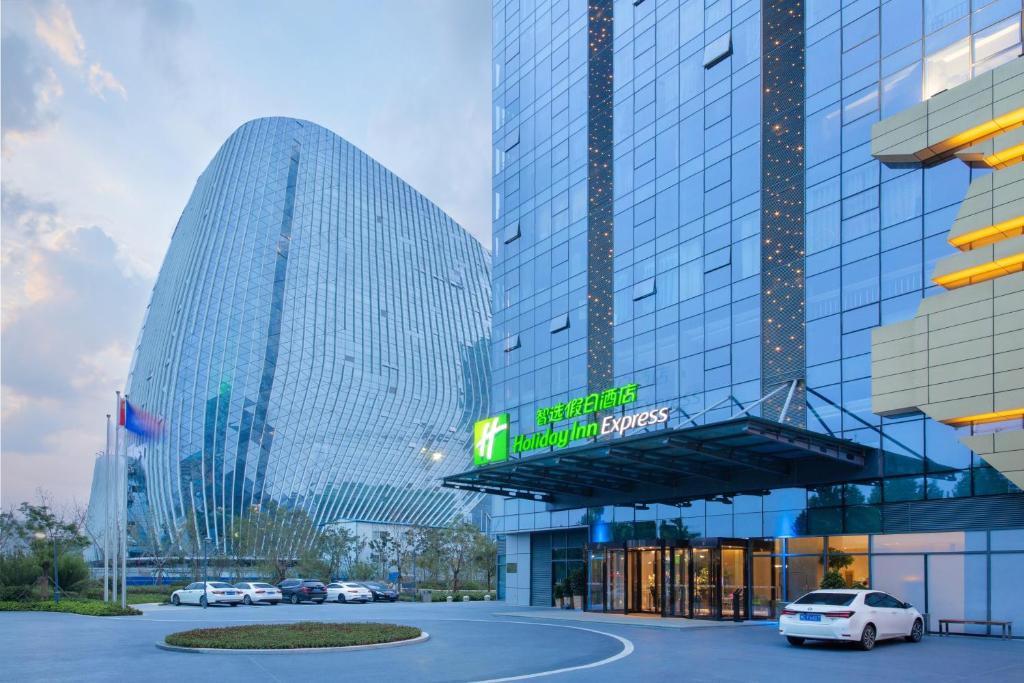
point(18, 573)
point(95, 608)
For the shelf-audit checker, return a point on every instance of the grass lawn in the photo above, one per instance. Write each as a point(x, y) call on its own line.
point(304, 634)
point(95, 608)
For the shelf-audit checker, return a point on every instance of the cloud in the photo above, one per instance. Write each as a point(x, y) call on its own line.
point(101, 80)
point(70, 315)
point(28, 88)
point(56, 29)
point(58, 32)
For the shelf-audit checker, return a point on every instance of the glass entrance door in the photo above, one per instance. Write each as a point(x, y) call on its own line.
point(646, 593)
point(704, 603)
point(734, 599)
point(615, 580)
point(677, 582)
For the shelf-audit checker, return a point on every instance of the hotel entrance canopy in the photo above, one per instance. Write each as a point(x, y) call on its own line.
point(736, 456)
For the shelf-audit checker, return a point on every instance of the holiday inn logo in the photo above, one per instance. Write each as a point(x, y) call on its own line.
point(490, 440)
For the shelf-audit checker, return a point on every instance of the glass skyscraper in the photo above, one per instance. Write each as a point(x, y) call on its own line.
point(317, 340)
point(686, 199)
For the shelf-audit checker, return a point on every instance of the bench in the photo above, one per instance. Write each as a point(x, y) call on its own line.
point(1006, 625)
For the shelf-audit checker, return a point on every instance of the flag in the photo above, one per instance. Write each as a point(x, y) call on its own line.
point(138, 421)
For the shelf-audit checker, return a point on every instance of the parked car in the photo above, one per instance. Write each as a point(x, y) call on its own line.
point(303, 590)
point(861, 616)
point(254, 591)
point(380, 592)
point(215, 593)
point(342, 591)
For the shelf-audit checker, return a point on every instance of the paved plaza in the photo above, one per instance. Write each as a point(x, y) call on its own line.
point(477, 642)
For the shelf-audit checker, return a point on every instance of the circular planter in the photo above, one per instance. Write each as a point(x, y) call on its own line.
point(298, 637)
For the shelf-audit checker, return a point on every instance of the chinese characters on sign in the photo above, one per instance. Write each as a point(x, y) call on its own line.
point(592, 403)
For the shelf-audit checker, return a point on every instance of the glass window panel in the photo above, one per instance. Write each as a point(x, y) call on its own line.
point(947, 68)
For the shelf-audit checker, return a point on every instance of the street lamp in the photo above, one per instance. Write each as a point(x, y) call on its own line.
point(56, 585)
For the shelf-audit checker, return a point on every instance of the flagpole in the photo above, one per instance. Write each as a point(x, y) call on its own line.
point(124, 530)
point(106, 520)
point(115, 498)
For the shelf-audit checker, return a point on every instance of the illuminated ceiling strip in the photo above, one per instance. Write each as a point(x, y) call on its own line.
point(980, 273)
point(989, 234)
point(998, 416)
point(984, 131)
point(1006, 157)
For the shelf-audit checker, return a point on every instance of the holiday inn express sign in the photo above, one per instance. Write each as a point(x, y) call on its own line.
point(491, 437)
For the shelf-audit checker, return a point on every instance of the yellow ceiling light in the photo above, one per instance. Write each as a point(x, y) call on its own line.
point(989, 234)
point(984, 131)
point(998, 416)
point(985, 271)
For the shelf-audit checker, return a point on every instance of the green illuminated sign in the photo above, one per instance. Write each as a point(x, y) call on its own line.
point(490, 440)
point(586, 405)
point(491, 436)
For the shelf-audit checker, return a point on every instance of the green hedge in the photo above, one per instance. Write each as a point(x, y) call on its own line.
point(305, 634)
point(94, 608)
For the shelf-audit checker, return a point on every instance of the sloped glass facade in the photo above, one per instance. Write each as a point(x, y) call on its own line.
point(316, 340)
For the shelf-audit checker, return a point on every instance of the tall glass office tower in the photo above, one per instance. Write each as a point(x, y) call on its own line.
point(317, 340)
point(688, 205)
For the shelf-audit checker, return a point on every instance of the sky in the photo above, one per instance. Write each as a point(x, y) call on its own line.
point(112, 109)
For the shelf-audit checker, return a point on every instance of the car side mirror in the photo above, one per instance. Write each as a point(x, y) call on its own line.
point(907, 605)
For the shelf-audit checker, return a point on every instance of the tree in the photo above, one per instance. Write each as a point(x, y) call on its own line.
point(382, 550)
point(361, 571)
point(404, 548)
point(457, 542)
point(485, 556)
point(336, 547)
point(430, 553)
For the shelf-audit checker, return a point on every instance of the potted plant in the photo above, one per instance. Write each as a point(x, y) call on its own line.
point(567, 593)
point(578, 583)
point(558, 594)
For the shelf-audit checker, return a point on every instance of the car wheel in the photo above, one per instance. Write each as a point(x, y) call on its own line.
point(341, 598)
point(867, 637)
point(175, 600)
point(295, 599)
point(202, 601)
point(916, 632)
point(247, 600)
point(794, 640)
point(233, 604)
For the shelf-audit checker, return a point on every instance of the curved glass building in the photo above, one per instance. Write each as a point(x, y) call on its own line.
point(317, 340)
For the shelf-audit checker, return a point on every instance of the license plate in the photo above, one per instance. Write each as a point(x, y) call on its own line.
point(810, 617)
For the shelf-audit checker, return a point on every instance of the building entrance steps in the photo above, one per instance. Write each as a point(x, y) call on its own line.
point(647, 620)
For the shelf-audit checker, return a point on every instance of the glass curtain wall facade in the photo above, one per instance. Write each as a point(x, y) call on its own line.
point(741, 164)
point(317, 340)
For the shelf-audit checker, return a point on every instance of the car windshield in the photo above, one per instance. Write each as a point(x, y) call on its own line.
point(220, 584)
point(832, 599)
point(262, 585)
point(311, 583)
point(375, 586)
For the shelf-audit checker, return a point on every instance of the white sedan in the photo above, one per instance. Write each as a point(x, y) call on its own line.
point(254, 591)
point(861, 616)
point(340, 591)
point(214, 593)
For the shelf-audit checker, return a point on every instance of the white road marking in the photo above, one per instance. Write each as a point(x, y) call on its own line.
point(627, 650)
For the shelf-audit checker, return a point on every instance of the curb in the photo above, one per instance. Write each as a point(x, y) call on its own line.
point(422, 637)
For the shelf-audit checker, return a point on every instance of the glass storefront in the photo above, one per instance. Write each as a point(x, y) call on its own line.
point(703, 578)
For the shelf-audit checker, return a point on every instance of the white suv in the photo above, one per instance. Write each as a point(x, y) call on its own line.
point(861, 616)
